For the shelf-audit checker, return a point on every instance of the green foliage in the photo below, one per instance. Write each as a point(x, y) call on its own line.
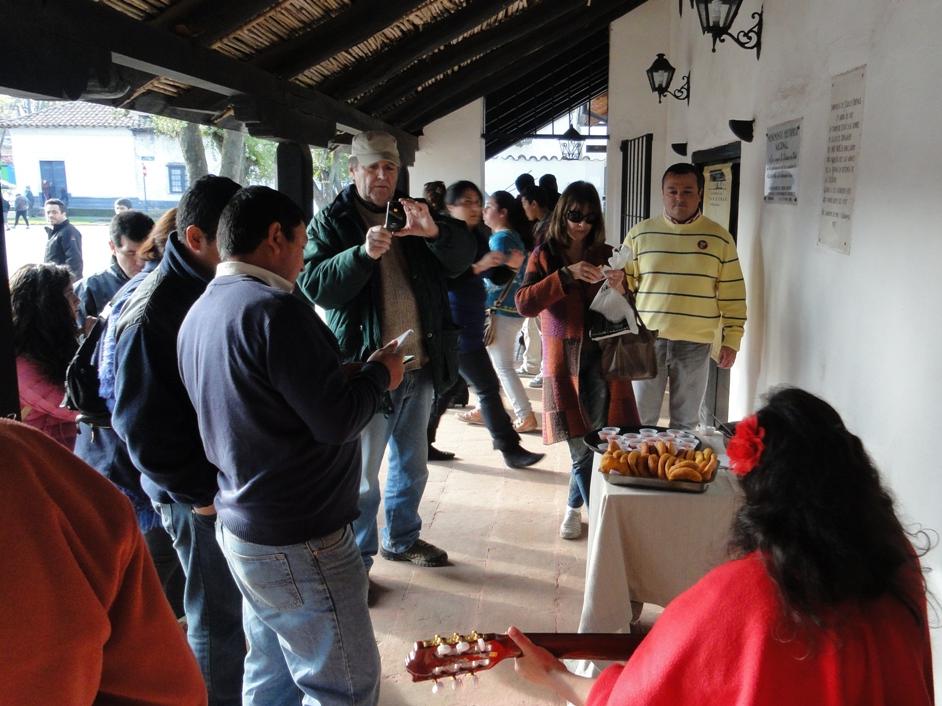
point(259, 160)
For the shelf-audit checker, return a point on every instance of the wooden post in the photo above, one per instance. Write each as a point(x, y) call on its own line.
point(295, 175)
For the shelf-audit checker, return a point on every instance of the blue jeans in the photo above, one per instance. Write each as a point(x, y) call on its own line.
point(211, 600)
point(593, 399)
point(310, 636)
point(687, 366)
point(404, 431)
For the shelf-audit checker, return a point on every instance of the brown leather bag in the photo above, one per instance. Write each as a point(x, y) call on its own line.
point(630, 356)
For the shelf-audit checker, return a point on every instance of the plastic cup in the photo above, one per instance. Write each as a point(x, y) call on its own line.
point(631, 437)
point(648, 432)
point(606, 433)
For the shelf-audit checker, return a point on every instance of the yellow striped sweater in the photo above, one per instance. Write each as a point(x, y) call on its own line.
point(687, 280)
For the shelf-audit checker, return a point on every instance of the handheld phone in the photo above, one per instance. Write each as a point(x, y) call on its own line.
point(403, 337)
point(407, 359)
point(395, 217)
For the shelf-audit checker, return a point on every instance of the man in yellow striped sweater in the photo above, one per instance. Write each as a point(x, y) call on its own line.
point(688, 283)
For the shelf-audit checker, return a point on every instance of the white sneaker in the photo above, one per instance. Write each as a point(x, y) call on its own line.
point(571, 527)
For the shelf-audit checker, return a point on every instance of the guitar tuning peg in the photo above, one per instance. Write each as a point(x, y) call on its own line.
point(474, 679)
point(455, 683)
point(482, 646)
point(462, 647)
point(436, 687)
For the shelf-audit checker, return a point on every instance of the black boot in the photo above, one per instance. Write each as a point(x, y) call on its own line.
point(438, 455)
point(519, 457)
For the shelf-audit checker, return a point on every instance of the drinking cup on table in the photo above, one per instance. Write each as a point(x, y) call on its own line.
point(647, 432)
point(664, 436)
point(631, 437)
point(606, 433)
point(679, 432)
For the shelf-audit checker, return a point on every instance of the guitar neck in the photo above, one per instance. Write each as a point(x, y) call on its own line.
point(607, 646)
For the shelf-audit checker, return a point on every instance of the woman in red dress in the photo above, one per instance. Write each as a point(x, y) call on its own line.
point(823, 601)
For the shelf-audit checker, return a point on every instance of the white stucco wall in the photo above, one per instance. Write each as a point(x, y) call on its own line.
point(858, 329)
point(451, 149)
point(101, 162)
point(96, 159)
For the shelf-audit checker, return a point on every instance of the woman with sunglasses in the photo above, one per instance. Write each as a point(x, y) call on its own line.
point(823, 600)
point(506, 219)
point(563, 276)
point(466, 295)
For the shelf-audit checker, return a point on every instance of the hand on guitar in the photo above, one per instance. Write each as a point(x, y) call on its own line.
point(538, 666)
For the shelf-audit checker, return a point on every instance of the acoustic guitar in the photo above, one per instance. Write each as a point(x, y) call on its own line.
point(460, 655)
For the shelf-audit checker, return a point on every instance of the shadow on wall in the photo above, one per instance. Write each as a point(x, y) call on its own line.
point(756, 326)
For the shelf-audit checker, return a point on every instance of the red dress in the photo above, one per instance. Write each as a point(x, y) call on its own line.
point(721, 644)
point(39, 401)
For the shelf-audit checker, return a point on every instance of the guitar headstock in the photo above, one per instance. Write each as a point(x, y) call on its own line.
point(444, 657)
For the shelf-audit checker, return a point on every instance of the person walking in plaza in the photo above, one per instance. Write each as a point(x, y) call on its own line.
point(154, 417)
point(467, 297)
point(375, 285)
point(21, 206)
point(256, 358)
point(688, 287)
point(64, 242)
point(504, 216)
point(822, 601)
point(563, 276)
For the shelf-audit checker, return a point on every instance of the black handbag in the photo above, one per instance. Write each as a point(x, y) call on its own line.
point(630, 356)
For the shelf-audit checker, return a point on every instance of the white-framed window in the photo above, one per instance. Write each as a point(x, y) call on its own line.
point(176, 175)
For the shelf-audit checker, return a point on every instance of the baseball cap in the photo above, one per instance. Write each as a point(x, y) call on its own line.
point(372, 146)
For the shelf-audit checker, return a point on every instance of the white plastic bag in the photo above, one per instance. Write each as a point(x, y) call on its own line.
point(613, 305)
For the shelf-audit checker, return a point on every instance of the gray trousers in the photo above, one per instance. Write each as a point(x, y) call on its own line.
point(687, 366)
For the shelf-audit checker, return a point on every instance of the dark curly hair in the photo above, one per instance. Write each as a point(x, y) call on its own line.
point(816, 510)
point(44, 328)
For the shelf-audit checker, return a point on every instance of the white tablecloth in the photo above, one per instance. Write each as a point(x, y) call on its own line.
point(650, 545)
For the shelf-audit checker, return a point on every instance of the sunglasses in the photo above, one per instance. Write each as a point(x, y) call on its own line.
point(576, 216)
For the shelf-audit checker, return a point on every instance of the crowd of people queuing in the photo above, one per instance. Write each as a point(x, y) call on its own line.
point(247, 435)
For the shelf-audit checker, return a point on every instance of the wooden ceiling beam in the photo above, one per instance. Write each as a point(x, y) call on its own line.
point(356, 24)
point(93, 29)
point(208, 21)
point(389, 63)
point(491, 73)
point(518, 29)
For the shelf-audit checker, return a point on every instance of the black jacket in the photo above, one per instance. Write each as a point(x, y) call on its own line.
point(96, 290)
point(64, 247)
point(153, 413)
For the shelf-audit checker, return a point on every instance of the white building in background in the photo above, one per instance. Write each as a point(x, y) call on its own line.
point(89, 155)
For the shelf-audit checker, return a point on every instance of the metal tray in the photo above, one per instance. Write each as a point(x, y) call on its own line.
point(680, 486)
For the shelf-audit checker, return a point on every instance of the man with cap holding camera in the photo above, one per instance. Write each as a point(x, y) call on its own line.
point(377, 282)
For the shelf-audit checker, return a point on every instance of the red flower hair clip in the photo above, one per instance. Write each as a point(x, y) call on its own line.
point(746, 446)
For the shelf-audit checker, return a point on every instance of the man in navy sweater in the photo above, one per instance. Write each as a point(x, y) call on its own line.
point(280, 416)
point(154, 417)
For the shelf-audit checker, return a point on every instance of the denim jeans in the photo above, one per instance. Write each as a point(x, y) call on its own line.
point(687, 366)
point(168, 567)
point(593, 398)
point(404, 431)
point(533, 341)
point(310, 636)
point(211, 600)
point(475, 367)
point(502, 356)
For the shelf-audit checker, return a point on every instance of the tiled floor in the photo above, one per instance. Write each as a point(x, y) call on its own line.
point(508, 565)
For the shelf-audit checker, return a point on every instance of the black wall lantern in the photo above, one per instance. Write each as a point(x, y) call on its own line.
point(571, 143)
point(660, 74)
point(716, 18)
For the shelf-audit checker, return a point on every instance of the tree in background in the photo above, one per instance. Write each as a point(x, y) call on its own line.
point(331, 173)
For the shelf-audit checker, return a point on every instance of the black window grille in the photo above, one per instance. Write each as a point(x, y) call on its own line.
point(635, 181)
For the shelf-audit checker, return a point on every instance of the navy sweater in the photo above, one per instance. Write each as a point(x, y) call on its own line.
point(278, 415)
